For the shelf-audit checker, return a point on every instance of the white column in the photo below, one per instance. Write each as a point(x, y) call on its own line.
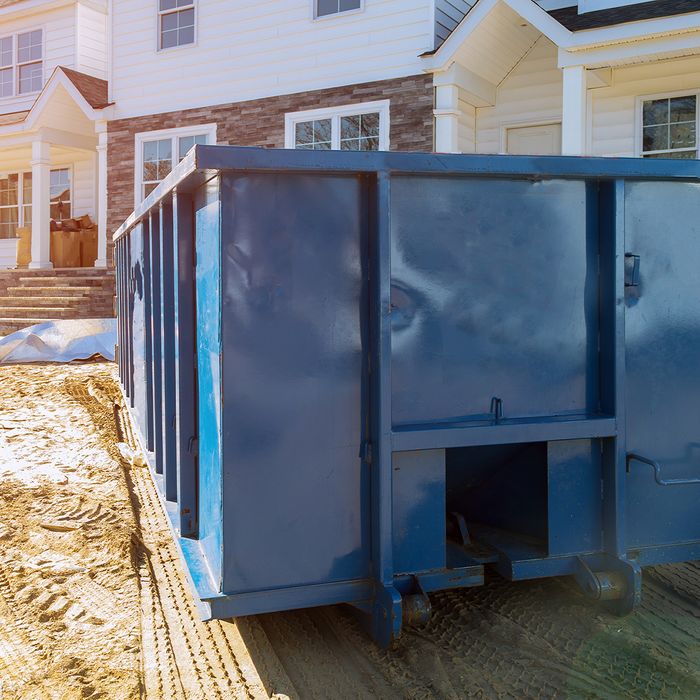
point(41, 212)
point(102, 200)
point(573, 126)
point(446, 119)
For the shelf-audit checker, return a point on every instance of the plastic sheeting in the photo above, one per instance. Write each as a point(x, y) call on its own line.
point(61, 341)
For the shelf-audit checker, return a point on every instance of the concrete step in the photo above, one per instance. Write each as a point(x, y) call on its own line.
point(63, 291)
point(43, 301)
point(40, 312)
point(77, 281)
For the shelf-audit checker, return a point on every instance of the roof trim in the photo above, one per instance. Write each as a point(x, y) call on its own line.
point(540, 19)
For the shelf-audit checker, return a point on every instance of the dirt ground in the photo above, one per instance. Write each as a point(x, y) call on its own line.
point(94, 603)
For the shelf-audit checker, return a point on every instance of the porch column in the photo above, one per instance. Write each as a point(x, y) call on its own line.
point(447, 119)
point(573, 123)
point(41, 212)
point(102, 199)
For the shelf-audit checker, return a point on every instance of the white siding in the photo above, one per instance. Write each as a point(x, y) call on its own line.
point(91, 44)
point(250, 49)
point(531, 94)
point(84, 184)
point(59, 46)
point(467, 125)
point(614, 129)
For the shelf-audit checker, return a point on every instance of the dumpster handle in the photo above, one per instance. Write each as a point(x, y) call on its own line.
point(631, 457)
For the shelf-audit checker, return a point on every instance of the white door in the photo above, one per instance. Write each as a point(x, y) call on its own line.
point(544, 140)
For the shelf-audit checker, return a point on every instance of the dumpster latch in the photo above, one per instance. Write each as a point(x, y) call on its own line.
point(366, 453)
point(631, 270)
point(656, 466)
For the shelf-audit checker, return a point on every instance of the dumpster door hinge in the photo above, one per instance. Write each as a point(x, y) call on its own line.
point(193, 446)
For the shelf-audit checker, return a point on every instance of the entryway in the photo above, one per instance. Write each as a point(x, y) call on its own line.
point(540, 140)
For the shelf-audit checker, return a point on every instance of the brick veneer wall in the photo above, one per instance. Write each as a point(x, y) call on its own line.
point(261, 123)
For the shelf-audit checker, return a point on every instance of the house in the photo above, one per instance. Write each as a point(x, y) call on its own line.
point(99, 99)
point(53, 102)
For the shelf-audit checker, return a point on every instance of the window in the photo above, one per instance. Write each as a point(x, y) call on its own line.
point(29, 61)
point(363, 127)
point(16, 199)
point(21, 63)
point(333, 7)
point(9, 219)
point(176, 23)
point(59, 188)
point(7, 71)
point(157, 153)
point(669, 127)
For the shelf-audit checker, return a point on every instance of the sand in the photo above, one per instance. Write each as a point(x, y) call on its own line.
point(94, 602)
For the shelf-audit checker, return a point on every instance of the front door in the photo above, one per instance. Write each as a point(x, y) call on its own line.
point(542, 140)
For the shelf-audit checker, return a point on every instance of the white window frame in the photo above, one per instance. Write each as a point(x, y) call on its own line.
point(209, 130)
point(639, 118)
point(21, 223)
point(16, 63)
point(342, 13)
point(291, 119)
point(160, 13)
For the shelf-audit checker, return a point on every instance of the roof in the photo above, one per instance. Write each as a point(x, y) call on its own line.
point(6, 3)
point(573, 21)
point(12, 118)
point(94, 90)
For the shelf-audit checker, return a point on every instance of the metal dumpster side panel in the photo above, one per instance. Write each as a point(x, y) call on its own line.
point(138, 313)
point(507, 309)
point(293, 248)
point(662, 328)
point(353, 307)
point(209, 359)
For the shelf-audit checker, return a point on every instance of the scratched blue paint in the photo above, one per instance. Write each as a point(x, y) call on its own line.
point(209, 358)
point(389, 372)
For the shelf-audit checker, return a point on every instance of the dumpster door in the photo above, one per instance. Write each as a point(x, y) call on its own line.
point(662, 298)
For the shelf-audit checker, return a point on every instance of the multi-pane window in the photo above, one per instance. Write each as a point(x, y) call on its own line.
point(29, 61)
point(7, 71)
point(16, 199)
point(333, 7)
point(360, 132)
point(21, 63)
point(157, 163)
point(669, 127)
point(27, 199)
point(176, 20)
point(359, 128)
point(160, 156)
point(185, 143)
point(9, 212)
point(313, 135)
point(60, 192)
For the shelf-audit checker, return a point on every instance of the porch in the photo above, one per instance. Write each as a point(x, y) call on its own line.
point(513, 80)
point(53, 174)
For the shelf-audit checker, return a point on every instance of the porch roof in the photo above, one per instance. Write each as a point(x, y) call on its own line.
point(494, 30)
point(94, 90)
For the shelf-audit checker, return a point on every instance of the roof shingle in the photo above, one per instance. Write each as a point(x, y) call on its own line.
point(94, 90)
point(572, 20)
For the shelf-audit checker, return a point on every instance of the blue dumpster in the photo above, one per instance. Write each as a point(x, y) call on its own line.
point(364, 377)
